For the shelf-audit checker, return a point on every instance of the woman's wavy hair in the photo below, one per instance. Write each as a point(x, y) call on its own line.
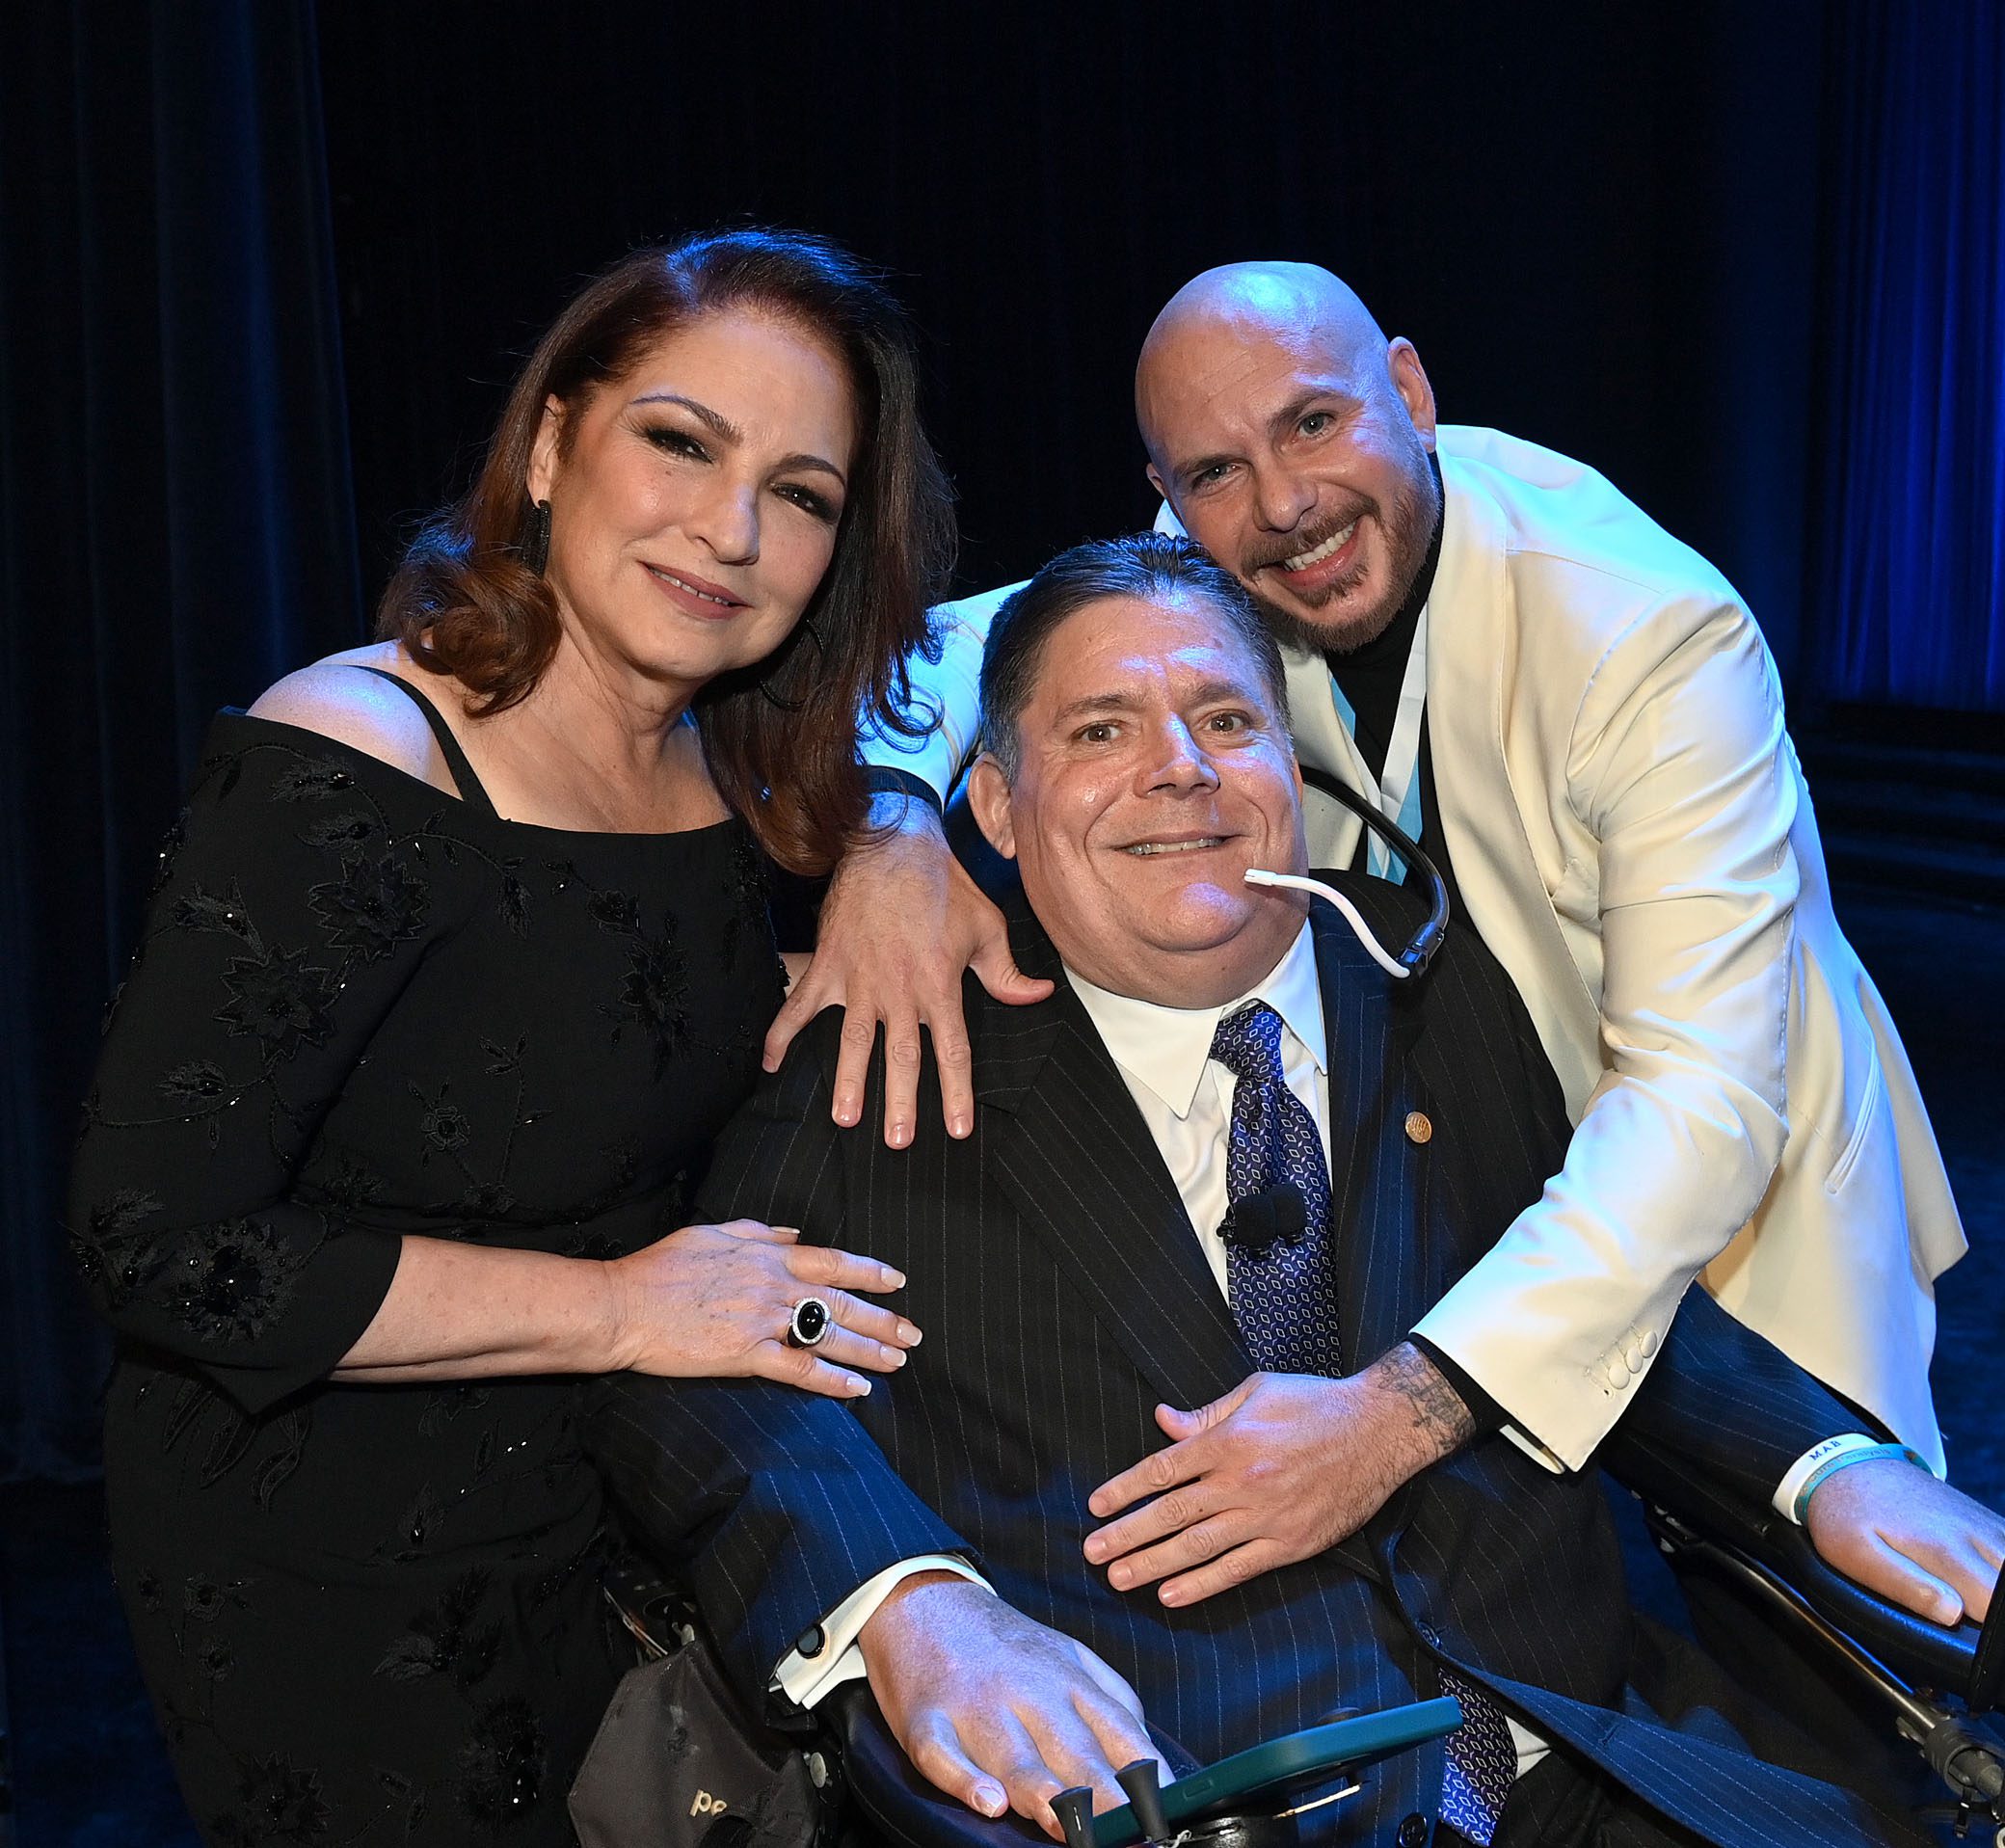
point(779, 736)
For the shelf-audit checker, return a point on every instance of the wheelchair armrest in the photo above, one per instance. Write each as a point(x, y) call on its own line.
point(904, 1808)
point(1966, 1661)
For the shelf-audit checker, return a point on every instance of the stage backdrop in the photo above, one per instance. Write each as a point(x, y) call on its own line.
point(253, 257)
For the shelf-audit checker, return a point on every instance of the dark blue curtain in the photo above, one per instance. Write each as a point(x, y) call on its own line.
point(1911, 531)
point(175, 530)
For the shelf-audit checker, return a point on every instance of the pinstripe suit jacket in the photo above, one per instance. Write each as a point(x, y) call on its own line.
point(1063, 1294)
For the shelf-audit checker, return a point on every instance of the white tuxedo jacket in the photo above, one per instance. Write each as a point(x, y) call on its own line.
point(1632, 836)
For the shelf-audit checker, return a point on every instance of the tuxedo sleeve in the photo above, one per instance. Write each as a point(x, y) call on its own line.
point(1723, 1418)
point(773, 1504)
point(946, 698)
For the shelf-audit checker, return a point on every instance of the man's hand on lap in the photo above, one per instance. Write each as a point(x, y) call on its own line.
point(994, 1710)
point(1280, 1468)
point(901, 921)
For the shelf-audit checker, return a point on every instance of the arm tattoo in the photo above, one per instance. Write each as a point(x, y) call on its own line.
point(1439, 1414)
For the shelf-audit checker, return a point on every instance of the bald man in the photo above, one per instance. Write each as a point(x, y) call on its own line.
point(1579, 720)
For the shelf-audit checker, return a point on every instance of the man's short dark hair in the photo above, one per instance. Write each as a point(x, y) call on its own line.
point(1151, 567)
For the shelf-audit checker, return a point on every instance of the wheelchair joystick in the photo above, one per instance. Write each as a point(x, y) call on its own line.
point(1142, 1781)
point(1074, 1810)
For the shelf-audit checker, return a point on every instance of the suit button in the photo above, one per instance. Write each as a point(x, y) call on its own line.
point(1647, 1342)
point(1632, 1352)
point(1412, 1831)
point(1617, 1372)
point(1428, 1635)
point(810, 1642)
point(1419, 1130)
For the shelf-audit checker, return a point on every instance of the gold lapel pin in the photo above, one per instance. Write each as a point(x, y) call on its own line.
point(1418, 1128)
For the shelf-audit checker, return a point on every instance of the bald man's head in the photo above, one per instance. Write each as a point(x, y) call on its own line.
point(1292, 438)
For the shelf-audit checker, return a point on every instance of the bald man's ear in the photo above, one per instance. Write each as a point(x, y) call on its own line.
point(1155, 481)
point(988, 795)
point(1409, 380)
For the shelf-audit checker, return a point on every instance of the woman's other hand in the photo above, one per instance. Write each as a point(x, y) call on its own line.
point(716, 1301)
point(901, 924)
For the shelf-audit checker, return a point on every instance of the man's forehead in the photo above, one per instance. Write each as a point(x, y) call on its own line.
point(1120, 650)
point(1233, 372)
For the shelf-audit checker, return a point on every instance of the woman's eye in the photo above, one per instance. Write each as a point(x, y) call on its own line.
point(815, 505)
point(678, 442)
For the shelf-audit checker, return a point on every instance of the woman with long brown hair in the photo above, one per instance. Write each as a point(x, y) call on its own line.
point(458, 960)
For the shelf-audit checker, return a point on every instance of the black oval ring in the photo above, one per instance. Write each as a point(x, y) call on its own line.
point(809, 1325)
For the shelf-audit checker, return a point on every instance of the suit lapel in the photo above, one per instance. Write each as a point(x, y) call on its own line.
point(1383, 1265)
point(1474, 651)
point(1063, 1139)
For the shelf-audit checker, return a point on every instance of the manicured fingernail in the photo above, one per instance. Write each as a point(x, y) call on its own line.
point(908, 1333)
point(858, 1388)
point(989, 1799)
point(787, 1231)
point(959, 1126)
point(901, 1135)
point(898, 1357)
point(892, 1280)
point(769, 1064)
point(846, 1114)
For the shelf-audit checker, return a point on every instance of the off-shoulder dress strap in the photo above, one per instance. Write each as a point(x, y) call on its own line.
point(469, 787)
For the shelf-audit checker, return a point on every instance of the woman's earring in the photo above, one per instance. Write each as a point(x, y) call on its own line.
point(536, 541)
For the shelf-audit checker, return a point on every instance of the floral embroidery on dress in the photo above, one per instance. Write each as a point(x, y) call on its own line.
point(231, 1280)
point(278, 1801)
point(501, 1765)
point(283, 999)
point(374, 905)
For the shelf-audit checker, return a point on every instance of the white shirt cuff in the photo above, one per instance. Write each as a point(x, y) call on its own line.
point(805, 1678)
point(1800, 1471)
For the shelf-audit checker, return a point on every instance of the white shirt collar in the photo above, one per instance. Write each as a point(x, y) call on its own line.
point(1165, 1047)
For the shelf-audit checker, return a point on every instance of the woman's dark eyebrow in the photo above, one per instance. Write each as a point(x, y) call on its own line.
point(725, 431)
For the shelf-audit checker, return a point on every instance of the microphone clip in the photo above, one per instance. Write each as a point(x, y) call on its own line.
point(1256, 1224)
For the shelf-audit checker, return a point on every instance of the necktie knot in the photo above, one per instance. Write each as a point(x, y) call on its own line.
point(1248, 1043)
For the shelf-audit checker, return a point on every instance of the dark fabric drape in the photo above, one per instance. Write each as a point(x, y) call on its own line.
point(1912, 532)
point(175, 530)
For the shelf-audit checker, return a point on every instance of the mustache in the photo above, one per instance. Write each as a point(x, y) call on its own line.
point(1288, 546)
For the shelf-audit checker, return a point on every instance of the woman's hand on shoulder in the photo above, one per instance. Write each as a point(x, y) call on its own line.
point(336, 699)
point(718, 1301)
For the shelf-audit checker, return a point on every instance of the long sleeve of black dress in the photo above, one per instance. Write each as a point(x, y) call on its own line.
point(287, 918)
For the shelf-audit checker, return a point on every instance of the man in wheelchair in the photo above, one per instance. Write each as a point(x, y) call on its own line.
point(1213, 1184)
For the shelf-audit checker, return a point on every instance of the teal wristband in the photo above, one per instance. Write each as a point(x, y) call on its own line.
point(1844, 1460)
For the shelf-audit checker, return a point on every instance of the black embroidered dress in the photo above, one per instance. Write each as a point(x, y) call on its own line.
point(362, 1007)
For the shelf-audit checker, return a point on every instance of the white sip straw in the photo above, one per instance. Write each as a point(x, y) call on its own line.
point(1297, 882)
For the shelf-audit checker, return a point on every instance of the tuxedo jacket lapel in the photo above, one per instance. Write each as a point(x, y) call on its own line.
point(1066, 1142)
point(1383, 1264)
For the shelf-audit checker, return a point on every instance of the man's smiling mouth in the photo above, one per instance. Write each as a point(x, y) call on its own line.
point(1316, 554)
point(1146, 848)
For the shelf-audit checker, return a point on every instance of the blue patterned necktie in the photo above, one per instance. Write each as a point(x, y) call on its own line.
point(1284, 1300)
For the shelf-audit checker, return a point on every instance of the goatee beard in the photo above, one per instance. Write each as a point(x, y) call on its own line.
point(1407, 525)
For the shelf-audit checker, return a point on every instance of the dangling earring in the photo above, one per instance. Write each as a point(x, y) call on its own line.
point(535, 548)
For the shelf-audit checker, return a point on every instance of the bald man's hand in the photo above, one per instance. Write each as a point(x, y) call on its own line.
point(900, 924)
